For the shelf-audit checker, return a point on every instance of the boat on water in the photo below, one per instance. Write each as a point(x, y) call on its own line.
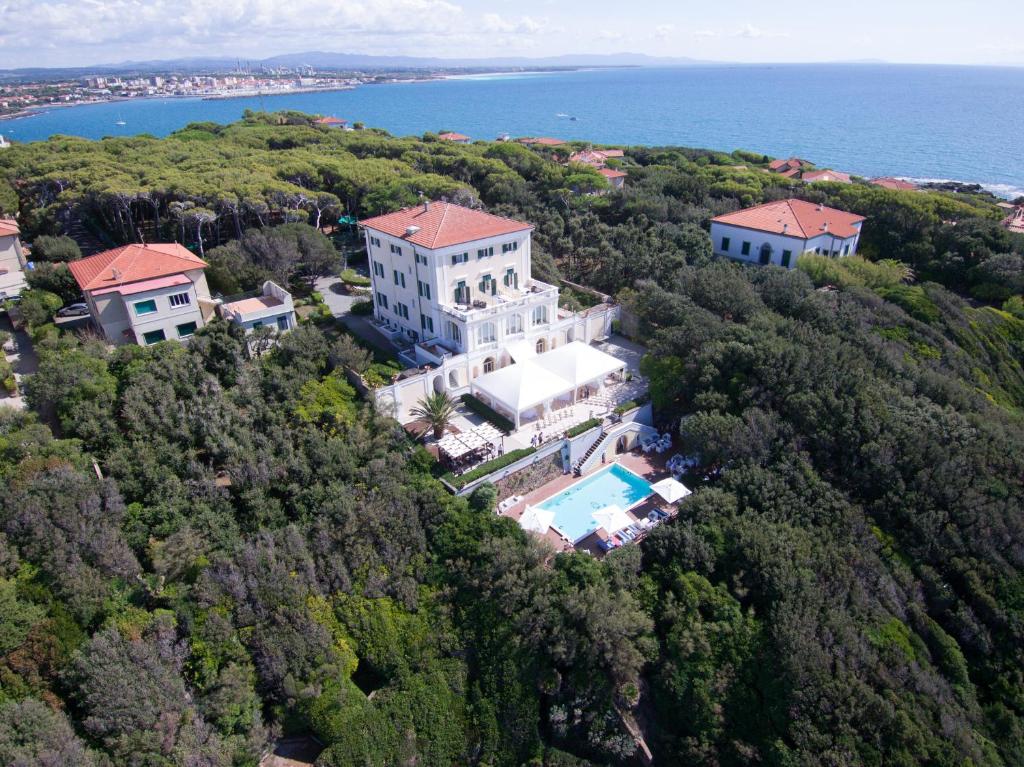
point(120, 121)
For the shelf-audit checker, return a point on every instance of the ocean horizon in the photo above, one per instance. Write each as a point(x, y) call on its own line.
point(925, 123)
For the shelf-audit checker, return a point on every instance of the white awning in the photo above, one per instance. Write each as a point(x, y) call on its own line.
point(521, 351)
point(521, 386)
point(612, 519)
point(536, 520)
point(671, 490)
point(579, 363)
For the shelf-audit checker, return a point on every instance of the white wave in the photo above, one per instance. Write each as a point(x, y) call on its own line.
point(1006, 191)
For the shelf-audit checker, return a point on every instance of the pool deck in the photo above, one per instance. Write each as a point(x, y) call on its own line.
point(651, 467)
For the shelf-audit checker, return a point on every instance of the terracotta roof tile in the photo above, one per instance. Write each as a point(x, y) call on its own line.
point(331, 121)
point(442, 224)
point(541, 140)
point(132, 263)
point(794, 217)
point(893, 183)
point(452, 136)
point(826, 175)
point(609, 173)
point(9, 227)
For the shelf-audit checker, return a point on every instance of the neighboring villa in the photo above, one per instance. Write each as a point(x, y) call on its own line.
point(835, 176)
point(596, 158)
point(456, 284)
point(540, 141)
point(271, 306)
point(12, 260)
point(144, 294)
point(779, 232)
point(455, 138)
point(897, 184)
point(790, 168)
point(802, 170)
point(332, 122)
point(615, 177)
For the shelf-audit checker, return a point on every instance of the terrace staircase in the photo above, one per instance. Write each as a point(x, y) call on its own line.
point(584, 463)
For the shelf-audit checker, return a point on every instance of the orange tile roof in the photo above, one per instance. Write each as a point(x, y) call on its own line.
point(826, 175)
point(542, 140)
point(452, 136)
point(795, 218)
point(442, 224)
point(9, 227)
point(791, 173)
point(893, 183)
point(331, 121)
point(609, 173)
point(791, 163)
point(132, 263)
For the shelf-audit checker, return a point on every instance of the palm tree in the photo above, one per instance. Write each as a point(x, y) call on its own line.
point(437, 410)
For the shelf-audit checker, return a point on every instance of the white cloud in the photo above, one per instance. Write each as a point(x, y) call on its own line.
point(663, 31)
point(609, 34)
point(705, 33)
point(749, 30)
point(526, 25)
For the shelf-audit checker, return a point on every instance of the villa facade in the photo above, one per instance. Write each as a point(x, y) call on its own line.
point(144, 294)
point(456, 284)
point(779, 232)
point(12, 260)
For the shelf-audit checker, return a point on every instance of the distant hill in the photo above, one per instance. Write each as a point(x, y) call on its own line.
point(348, 61)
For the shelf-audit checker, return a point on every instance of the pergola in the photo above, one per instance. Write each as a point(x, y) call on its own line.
point(536, 382)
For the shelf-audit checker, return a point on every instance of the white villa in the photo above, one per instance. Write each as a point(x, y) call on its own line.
point(456, 283)
point(12, 259)
point(779, 232)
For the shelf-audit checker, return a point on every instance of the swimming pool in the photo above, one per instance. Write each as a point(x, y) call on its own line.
point(574, 507)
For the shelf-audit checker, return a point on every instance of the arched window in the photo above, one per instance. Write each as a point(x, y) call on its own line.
point(539, 315)
point(486, 333)
point(489, 365)
point(514, 324)
point(541, 346)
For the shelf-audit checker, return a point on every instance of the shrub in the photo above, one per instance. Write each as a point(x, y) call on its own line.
point(625, 407)
point(380, 374)
point(488, 413)
point(487, 468)
point(362, 308)
point(55, 249)
point(579, 429)
point(316, 297)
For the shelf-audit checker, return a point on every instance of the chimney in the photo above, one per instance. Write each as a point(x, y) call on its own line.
point(115, 274)
point(785, 228)
point(821, 207)
point(425, 201)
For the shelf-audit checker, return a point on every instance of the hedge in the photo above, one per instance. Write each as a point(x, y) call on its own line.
point(625, 407)
point(362, 308)
point(351, 277)
point(487, 413)
point(576, 431)
point(484, 469)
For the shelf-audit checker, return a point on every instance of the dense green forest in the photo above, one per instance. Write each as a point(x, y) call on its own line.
point(200, 551)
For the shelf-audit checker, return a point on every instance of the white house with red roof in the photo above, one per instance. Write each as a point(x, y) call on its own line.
point(144, 294)
point(454, 284)
point(779, 232)
point(12, 259)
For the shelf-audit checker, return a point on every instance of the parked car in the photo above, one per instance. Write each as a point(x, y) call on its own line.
point(73, 310)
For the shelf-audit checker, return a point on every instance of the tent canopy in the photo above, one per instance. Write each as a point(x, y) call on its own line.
point(521, 351)
point(671, 489)
point(521, 386)
point(579, 363)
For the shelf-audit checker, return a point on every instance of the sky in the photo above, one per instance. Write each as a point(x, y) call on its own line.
point(55, 33)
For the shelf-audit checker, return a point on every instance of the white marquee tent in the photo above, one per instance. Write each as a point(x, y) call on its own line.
point(541, 379)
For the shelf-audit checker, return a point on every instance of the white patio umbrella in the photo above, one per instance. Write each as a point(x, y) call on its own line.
point(536, 520)
point(670, 489)
point(612, 519)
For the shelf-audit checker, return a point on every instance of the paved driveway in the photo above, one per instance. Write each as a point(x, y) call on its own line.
point(24, 361)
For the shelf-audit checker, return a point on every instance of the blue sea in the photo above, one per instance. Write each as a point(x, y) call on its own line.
point(920, 122)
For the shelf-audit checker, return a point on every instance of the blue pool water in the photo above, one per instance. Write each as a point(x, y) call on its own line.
point(574, 507)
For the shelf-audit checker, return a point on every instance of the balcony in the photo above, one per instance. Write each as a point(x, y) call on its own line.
point(506, 299)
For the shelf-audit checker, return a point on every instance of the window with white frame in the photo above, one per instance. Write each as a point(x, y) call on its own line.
point(401, 310)
point(459, 258)
point(454, 332)
point(426, 323)
point(511, 279)
point(378, 269)
point(179, 299)
point(421, 259)
point(509, 247)
point(382, 301)
point(375, 241)
point(514, 324)
point(485, 252)
point(423, 289)
point(486, 334)
point(539, 316)
point(399, 278)
point(396, 249)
